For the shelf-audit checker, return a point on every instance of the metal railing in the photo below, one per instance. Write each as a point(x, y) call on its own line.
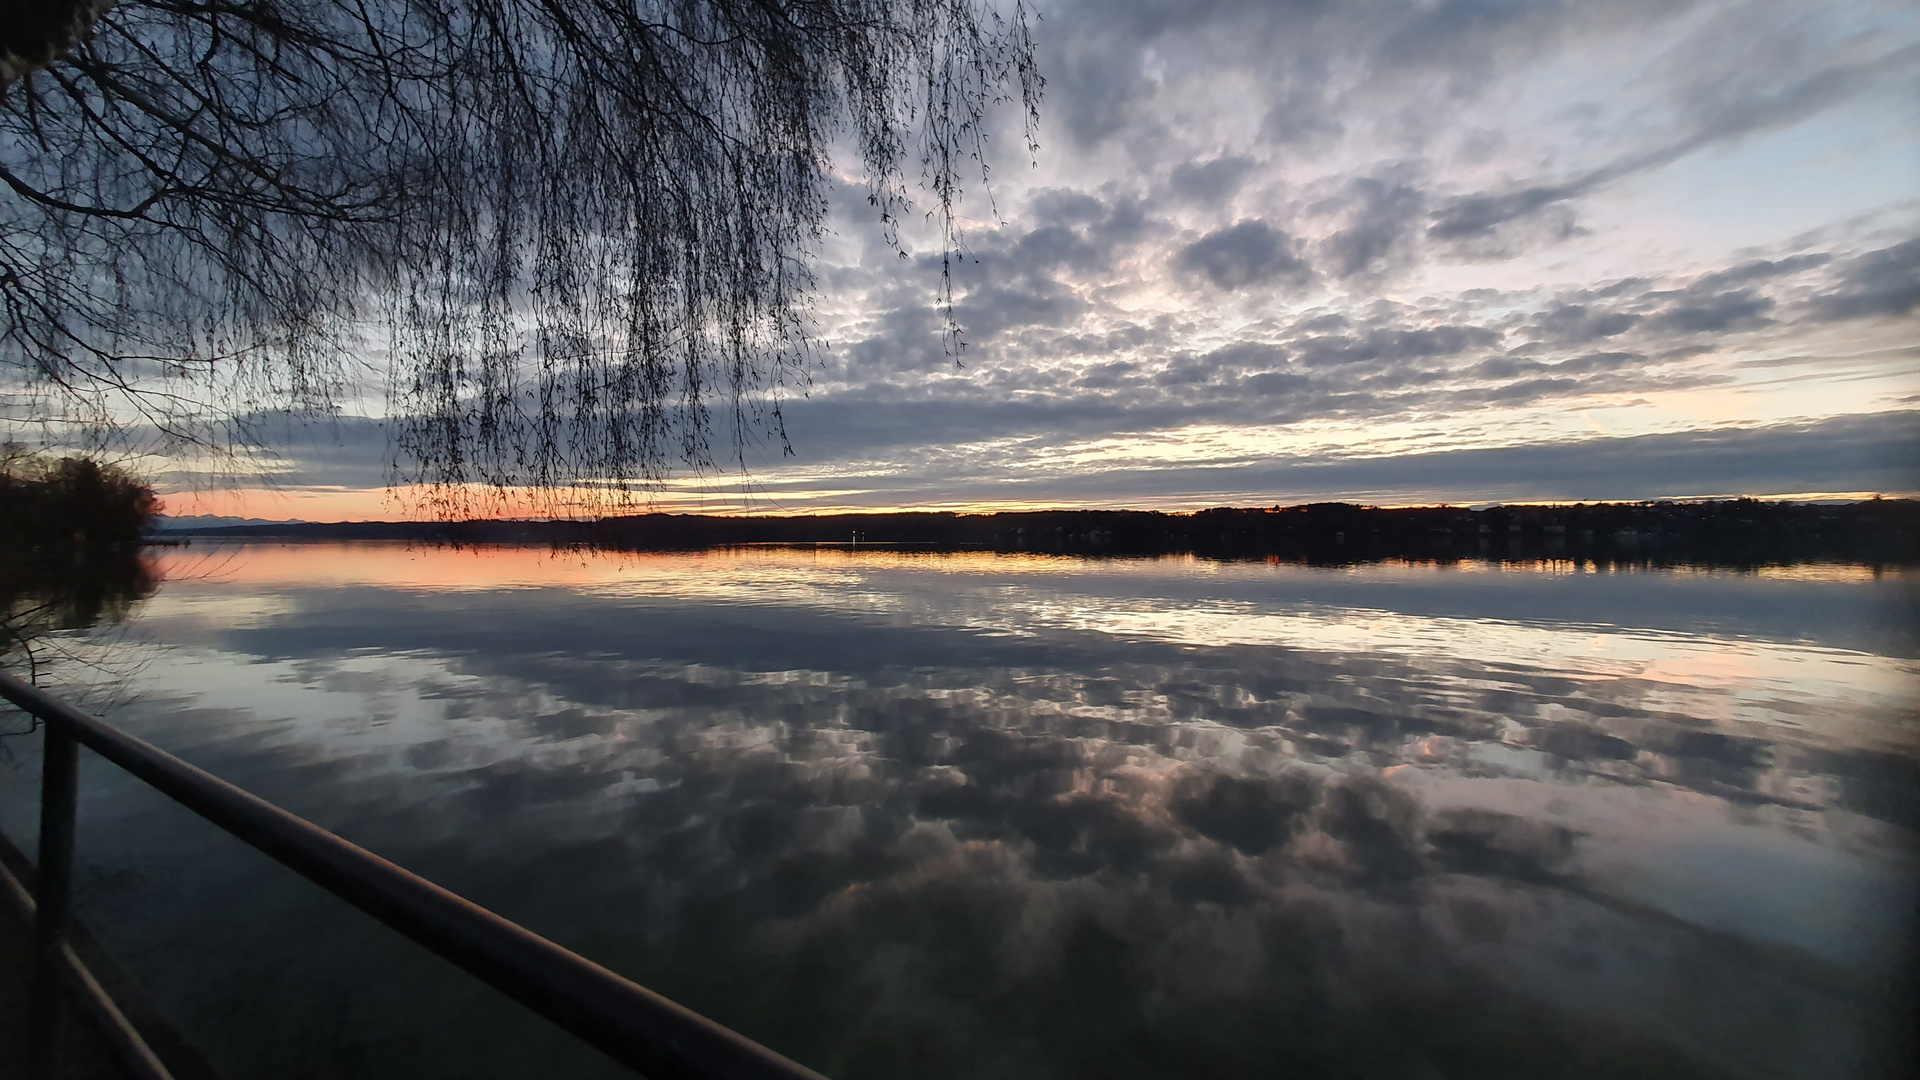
point(626, 1021)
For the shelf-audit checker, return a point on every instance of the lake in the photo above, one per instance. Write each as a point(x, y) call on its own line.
point(988, 815)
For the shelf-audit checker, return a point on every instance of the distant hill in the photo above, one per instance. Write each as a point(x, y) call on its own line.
point(169, 523)
point(1732, 532)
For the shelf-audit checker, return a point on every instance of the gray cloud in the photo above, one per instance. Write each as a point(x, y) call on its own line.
point(1369, 108)
point(1064, 206)
point(1010, 280)
point(1721, 110)
point(279, 451)
point(1794, 291)
point(904, 336)
point(1248, 253)
point(1632, 336)
point(1474, 216)
point(894, 396)
point(1875, 452)
point(1760, 270)
point(1391, 77)
point(1577, 324)
point(1883, 282)
point(1382, 215)
point(1211, 182)
point(1509, 367)
point(1075, 232)
point(1394, 345)
point(1741, 309)
point(1864, 453)
point(1315, 64)
point(991, 310)
point(1303, 110)
point(1091, 91)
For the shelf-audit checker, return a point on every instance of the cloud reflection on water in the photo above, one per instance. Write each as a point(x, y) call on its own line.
point(975, 816)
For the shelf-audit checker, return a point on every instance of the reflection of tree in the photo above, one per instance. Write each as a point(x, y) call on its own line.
point(44, 595)
point(73, 594)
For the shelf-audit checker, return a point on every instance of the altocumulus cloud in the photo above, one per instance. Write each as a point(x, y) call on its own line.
point(1247, 253)
point(1533, 234)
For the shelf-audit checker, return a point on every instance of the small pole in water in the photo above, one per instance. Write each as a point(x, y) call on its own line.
point(59, 780)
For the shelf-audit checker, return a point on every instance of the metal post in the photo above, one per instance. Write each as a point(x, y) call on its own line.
point(59, 783)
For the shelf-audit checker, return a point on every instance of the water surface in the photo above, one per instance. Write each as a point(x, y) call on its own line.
point(1027, 816)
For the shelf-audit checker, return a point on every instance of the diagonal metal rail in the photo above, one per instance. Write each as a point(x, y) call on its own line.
point(626, 1021)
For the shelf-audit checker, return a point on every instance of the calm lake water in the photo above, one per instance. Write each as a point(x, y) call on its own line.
point(1014, 816)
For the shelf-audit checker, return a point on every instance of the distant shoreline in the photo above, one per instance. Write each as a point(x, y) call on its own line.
point(1734, 532)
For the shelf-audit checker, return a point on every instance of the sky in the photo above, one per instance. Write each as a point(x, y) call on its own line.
point(1382, 251)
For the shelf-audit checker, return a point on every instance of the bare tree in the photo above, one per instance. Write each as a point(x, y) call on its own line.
point(581, 229)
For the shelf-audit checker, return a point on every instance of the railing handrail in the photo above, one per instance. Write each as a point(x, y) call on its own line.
point(624, 1020)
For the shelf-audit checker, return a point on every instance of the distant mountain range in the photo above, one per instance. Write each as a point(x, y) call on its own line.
point(1731, 532)
point(169, 523)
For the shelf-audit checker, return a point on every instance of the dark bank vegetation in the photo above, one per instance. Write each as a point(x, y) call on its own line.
point(70, 535)
point(71, 504)
point(1733, 532)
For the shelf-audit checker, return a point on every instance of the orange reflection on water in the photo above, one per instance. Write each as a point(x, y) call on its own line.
point(399, 564)
point(394, 565)
point(402, 564)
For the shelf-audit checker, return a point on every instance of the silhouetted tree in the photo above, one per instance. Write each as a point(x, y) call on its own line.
point(70, 555)
point(70, 504)
point(579, 229)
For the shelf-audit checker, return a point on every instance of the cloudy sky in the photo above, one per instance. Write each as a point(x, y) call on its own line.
point(1389, 251)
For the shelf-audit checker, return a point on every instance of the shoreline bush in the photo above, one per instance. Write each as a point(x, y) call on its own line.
point(73, 504)
point(70, 546)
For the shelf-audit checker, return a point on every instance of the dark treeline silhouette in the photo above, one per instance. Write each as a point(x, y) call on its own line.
point(1736, 532)
point(70, 505)
point(70, 535)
